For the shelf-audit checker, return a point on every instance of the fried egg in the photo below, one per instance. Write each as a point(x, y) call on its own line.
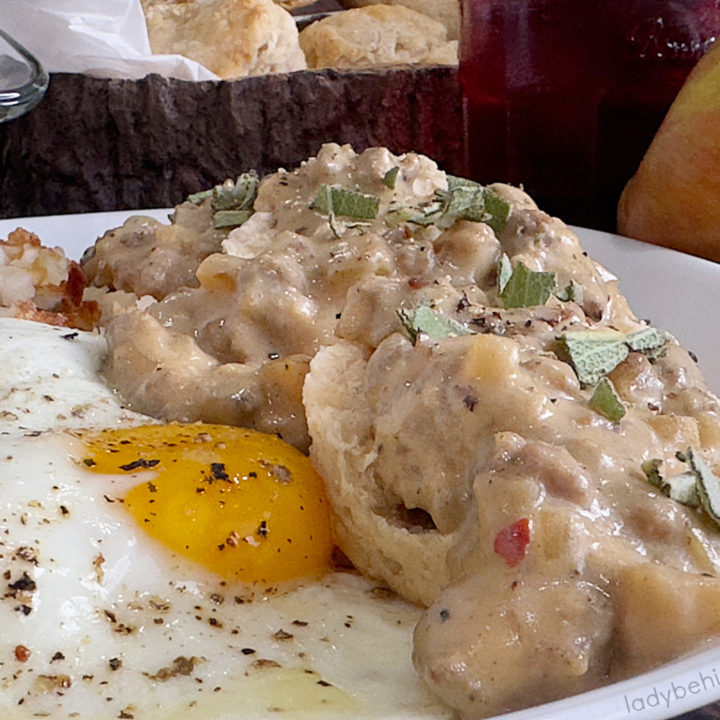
point(165, 571)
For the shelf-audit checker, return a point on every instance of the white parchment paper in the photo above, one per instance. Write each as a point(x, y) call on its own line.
point(103, 38)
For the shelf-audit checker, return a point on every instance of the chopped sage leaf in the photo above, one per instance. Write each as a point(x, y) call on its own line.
point(399, 215)
point(606, 402)
point(463, 200)
point(593, 353)
point(239, 195)
point(424, 320)
point(198, 197)
point(649, 341)
point(232, 202)
point(526, 287)
point(684, 489)
point(651, 468)
point(504, 272)
point(497, 211)
point(572, 292)
point(681, 488)
point(336, 201)
point(391, 176)
point(230, 218)
point(708, 484)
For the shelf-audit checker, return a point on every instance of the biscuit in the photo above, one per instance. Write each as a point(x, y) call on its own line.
point(377, 35)
point(445, 11)
point(411, 562)
point(293, 4)
point(233, 38)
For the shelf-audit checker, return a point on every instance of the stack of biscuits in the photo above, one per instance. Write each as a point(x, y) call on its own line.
point(241, 38)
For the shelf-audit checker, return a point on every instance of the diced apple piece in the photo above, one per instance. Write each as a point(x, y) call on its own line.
point(662, 613)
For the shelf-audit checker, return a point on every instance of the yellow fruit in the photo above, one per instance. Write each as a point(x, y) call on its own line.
point(674, 198)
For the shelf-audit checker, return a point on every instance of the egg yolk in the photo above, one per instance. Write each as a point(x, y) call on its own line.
point(244, 504)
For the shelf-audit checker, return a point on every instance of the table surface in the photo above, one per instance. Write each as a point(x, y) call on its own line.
point(709, 712)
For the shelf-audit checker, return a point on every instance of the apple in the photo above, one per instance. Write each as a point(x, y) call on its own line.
point(674, 197)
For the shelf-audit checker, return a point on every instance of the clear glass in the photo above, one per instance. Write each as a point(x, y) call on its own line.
point(23, 81)
point(564, 96)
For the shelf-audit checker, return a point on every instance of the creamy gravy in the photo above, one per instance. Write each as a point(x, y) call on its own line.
point(469, 472)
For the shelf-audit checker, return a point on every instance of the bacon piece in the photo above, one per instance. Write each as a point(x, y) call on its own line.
point(512, 541)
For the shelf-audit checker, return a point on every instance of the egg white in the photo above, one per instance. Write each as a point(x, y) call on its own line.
point(114, 625)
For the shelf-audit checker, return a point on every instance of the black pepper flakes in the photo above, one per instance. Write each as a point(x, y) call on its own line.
point(444, 615)
point(115, 663)
point(25, 584)
point(139, 464)
point(463, 303)
point(218, 472)
point(180, 666)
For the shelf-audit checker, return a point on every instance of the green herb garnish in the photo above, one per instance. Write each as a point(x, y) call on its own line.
point(497, 211)
point(232, 202)
point(681, 488)
point(390, 177)
point(708, 484)
point(231, 218)
point(463, 200)
point(424, 320)
point(526, 287)
point(572, 292)
point(651, 468)
point(504, 272)
point(699, 487)
point(593, 353)
point(606, 401)
point(684, 489)
point(338, 202)
point(649, 341)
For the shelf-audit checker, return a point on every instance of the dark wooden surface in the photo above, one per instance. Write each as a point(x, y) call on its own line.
point(95, 145)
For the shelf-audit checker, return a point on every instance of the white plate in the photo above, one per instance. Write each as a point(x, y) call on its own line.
point(677, 292)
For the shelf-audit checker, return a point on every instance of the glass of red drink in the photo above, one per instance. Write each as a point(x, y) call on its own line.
point(564, 96)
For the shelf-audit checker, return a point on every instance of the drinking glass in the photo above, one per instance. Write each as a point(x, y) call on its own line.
point(564, 96)
point(23, 81)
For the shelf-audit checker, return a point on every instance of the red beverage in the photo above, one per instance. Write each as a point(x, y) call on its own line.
point(564, 96)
